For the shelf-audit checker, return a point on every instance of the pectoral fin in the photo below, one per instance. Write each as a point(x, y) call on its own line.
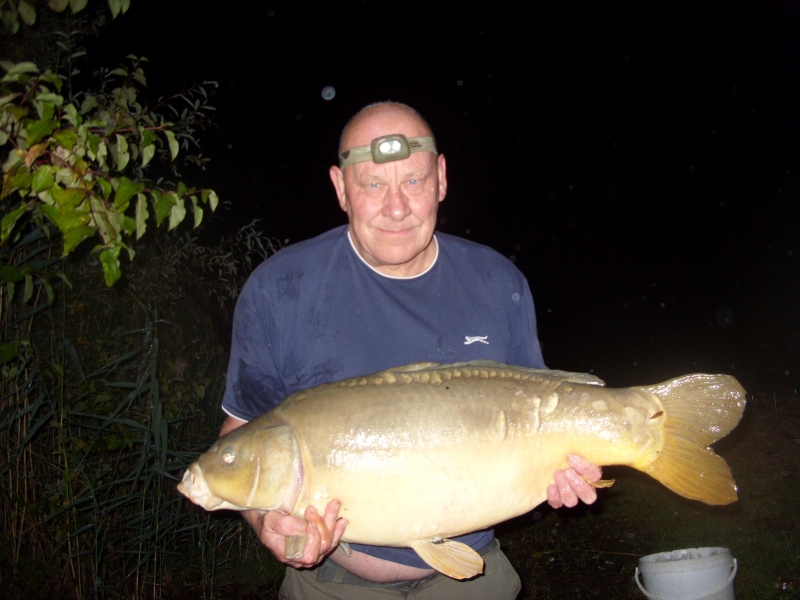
point(454, 559)
point(600, 483)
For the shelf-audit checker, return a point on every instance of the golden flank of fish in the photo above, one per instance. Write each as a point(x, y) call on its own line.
point(421, 453)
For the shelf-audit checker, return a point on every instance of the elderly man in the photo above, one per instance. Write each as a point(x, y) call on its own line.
point(381, 292)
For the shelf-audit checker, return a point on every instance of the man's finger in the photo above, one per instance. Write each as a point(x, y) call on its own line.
point(332, 514)
point(580, 487)
point(565, 490)
point(312, 516)
point(283, 524)
point(553, 497)
point(583, 467)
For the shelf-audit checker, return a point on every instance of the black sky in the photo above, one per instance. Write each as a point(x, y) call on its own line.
point(639, 160)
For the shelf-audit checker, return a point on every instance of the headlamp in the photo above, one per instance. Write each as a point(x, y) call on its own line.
point(386, 149)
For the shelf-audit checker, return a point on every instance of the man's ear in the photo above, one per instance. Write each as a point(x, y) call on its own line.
point(441, 167)
point(337, 178)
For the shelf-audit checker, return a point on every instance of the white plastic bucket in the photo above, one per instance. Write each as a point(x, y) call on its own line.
point(689, 574)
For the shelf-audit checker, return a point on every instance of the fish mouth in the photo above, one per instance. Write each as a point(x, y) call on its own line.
point(194, 486)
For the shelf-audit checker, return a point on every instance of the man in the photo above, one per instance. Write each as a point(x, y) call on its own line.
point(379, 293)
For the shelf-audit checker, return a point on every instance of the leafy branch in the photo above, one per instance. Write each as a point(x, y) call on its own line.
point(83, 167)
point(12, 12)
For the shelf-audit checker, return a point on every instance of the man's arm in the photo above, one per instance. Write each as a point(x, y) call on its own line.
point(273, 526)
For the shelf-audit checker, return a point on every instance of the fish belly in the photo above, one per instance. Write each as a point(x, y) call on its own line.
point(441, 463)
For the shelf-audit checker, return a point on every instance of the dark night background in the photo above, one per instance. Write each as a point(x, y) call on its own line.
point(638, 160)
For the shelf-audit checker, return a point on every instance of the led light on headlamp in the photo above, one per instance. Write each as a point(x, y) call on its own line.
point(386, 149)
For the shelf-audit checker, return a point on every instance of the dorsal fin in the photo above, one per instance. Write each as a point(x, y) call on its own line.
point(566, 376)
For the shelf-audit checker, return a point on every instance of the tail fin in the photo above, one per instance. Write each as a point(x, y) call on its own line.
point(698, 410)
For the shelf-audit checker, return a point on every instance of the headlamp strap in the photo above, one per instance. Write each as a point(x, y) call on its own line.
point(387, 148)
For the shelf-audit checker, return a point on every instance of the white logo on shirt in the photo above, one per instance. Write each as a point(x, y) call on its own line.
point(471, 339)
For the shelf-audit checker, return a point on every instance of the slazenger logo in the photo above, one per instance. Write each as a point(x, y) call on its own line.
point(471, 339)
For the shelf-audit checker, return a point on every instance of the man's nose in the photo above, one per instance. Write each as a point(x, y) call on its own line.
point(396, 207)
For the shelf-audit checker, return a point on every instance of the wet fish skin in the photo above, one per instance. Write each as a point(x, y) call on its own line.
point(425, 452)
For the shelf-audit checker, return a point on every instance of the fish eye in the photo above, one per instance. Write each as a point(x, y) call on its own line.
point(228, 455)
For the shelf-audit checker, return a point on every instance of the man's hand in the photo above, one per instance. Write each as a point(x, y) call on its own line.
point(322, 532)
point(570, 485)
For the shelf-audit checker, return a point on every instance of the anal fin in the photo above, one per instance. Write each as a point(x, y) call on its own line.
point(454, 559)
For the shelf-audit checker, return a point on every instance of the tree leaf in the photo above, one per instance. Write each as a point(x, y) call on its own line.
point(66, 137)
point(210, 196)
point(20, 181)
point(14, 158)
point(71, 115)
point(34, 152)
point(69, 198)
point(174, 147)
point(10, 220)
point(129, 227)
point(147, 154)
point(51, 100)
point(58, 5)
point(105, 187)
point(110, 261)
point(43, 178)
point(77, 5)
point(120, 152)
point(23, 67)
point(65, 219)
point(26, 12)
point(164, 204)
point(198, 212)
point(39, 129)
point(141, 215)
point(76, 235)
point(88, 104)
point(138, 75)
point(125, 191)
point(115, 6)
point(17, 112)
point(177, 214)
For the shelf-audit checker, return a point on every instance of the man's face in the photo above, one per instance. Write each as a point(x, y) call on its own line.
point(392, 206)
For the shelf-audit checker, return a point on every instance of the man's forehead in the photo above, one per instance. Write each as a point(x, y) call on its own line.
point(418, 164)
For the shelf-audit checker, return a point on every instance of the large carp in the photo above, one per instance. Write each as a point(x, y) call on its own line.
point(425, 452)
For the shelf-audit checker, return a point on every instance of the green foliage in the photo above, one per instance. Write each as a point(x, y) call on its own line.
point(13, 13)
point(82, 166)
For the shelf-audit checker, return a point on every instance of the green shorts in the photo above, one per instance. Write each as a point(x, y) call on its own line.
point(499, 581)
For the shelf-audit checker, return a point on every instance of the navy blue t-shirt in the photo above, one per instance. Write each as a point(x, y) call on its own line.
point(315, 312)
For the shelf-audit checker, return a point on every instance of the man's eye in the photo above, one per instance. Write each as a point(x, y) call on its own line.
point(413, 181)
point(374, 186)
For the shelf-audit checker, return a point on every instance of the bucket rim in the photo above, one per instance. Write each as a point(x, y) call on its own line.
point(675, 556)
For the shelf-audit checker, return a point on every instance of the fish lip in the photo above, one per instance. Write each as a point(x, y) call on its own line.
point(194, 486)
